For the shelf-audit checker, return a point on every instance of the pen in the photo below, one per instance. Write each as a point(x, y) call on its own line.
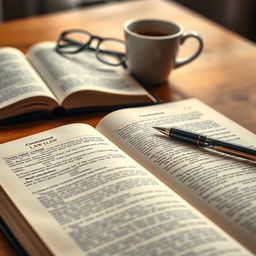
point(207, 142)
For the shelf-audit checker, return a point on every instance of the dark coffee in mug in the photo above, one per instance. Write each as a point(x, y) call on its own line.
point(152, 33)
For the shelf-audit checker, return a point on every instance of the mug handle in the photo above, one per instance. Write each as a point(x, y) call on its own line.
point(184, 37)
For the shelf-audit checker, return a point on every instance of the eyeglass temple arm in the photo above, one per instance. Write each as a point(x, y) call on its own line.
point(91, 48)
point(70, 41)
point(73, 42)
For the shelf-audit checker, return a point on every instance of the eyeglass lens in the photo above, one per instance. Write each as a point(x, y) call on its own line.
point(73, 41)
point(111, 51)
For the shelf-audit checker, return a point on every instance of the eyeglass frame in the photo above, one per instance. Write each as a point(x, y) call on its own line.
point(86, 46)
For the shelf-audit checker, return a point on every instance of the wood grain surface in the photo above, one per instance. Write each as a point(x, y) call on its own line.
point(223, 76)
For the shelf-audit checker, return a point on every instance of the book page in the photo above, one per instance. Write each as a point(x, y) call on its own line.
point(83, 196)
point(18, 80)
point(71, 73)
point(221, 186)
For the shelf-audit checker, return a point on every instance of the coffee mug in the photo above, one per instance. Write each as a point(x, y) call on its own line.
point(152, 47)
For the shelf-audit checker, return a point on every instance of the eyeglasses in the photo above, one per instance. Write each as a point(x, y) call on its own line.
point(110, 51)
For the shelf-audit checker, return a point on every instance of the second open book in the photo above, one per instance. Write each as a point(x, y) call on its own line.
point(44, 80)
point(124, 189)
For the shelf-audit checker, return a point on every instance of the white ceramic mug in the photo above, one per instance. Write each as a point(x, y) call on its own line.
point(152, 46)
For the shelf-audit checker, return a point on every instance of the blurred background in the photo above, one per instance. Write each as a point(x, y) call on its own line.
point(236, 15)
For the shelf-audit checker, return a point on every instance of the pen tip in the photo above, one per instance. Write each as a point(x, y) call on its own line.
point(157, 128)
point(163, 130)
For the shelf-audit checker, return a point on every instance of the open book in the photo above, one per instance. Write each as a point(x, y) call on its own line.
point(44, 80)
point(124, 189)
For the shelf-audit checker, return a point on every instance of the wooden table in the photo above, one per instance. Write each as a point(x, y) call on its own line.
point(223, 76)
